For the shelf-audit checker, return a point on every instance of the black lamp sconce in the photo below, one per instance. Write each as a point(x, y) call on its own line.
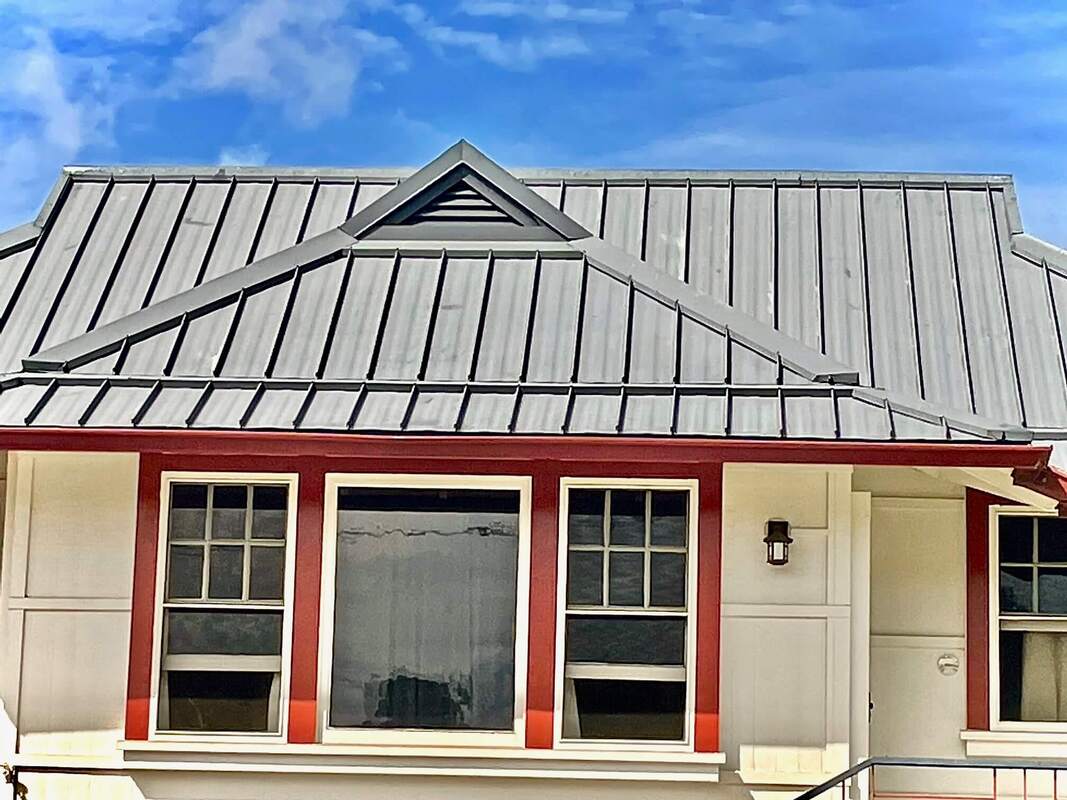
point(777, 541)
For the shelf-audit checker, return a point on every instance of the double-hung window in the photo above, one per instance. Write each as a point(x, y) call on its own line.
point(1031, 617)
point(626, 621)
point(425, 587)
point(226, 543)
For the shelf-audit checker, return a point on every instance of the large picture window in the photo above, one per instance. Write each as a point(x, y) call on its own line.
point(626, 624)
point(426, 589)
point(223, 628)
point(1031, 555)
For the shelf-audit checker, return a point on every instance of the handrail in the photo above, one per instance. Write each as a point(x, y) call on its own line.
point(944, 763)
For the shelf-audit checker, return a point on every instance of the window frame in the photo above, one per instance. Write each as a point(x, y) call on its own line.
point(687, 743)
point(167, 478)
point(1048, 622)
point(334, 482)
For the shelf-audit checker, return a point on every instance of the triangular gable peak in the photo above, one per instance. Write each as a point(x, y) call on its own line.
point(463, 196)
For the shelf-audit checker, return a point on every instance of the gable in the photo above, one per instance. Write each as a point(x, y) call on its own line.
point(462, 195)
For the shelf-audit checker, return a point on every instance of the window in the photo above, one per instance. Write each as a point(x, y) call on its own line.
point(223, 627)
point(1031, 555)
point(627, 597)
point(425, 585)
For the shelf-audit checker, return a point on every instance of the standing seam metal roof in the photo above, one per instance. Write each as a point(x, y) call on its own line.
point(782, 249)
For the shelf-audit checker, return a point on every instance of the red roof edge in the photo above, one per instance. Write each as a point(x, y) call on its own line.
point(1028, 460)
point(1045, 480)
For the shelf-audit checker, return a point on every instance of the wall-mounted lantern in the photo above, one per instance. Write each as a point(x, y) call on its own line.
point(777, 541)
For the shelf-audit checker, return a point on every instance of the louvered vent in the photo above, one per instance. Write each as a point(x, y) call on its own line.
point(460, 203)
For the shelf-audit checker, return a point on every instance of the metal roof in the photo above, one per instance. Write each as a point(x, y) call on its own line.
point(482, 407)
point(911, 283)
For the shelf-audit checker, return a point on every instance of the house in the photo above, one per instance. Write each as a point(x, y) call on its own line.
point(566, 483)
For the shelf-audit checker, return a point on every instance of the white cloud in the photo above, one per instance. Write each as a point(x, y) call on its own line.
point(54, 106)
point(111, 19)
point(522, 53)
point(250, 155)
point(548, 12)
point(304, 56)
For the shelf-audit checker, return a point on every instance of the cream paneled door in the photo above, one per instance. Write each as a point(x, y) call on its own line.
point(918, 606)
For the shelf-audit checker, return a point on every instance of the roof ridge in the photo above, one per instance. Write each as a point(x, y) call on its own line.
point(534, 173)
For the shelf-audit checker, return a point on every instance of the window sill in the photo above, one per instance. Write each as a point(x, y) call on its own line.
point(400, 760)
point(1015, 744)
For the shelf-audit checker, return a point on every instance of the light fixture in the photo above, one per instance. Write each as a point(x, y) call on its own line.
point(777, 541)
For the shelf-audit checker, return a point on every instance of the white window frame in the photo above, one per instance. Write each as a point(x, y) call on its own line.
point(1049, 623)
point(291, 481)
point(516, 737)
point(686, 744)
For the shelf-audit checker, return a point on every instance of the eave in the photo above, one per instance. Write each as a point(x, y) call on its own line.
point(648, 451)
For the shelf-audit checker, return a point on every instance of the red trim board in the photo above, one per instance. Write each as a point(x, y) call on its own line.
point(978, 600)
point(636, 449)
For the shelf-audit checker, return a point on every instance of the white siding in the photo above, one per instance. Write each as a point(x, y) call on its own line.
point(64, 609)
point(785, 636)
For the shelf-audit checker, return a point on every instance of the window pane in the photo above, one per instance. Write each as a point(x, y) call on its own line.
point(585, 516)
point(626, 640)
point(667, 579)
point(616, 709)
point(185, 572)
point(1052, 590)
point(626, 579)
point(1016, 589)
point(188, 511)
point(1052, 539)
point(627, 517)
point(424, 621)
point(226, 572)
point(269, 511)
point(219, 701)
point(229, 506)
point(267, 579)
point(669, 518)
point(227, 633)
point(1032, 671)
point(585, 578)
point(1016, 539)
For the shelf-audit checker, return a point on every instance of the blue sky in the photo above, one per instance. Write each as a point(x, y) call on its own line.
point(946, 85)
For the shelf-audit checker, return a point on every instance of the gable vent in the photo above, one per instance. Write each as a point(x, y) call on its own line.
point(460, 203)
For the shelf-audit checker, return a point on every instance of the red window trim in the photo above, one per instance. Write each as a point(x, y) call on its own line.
point(977, 513)
point(540, 711)
point(977, 506)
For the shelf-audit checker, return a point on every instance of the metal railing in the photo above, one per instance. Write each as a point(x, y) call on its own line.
point(862, 777)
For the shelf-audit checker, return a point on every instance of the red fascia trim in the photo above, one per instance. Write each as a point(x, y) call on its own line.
point(708, 611)
point(142, 616)
point(642, 450)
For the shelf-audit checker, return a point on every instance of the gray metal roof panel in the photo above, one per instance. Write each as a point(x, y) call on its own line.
point(117, 407)
point(489, 412)
point(701, 414)
point(812, 412)
point(289, 208)
point(328, 409)
point(224, 407)
point(74, 307)
point(275, 409)
point(690, 224)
